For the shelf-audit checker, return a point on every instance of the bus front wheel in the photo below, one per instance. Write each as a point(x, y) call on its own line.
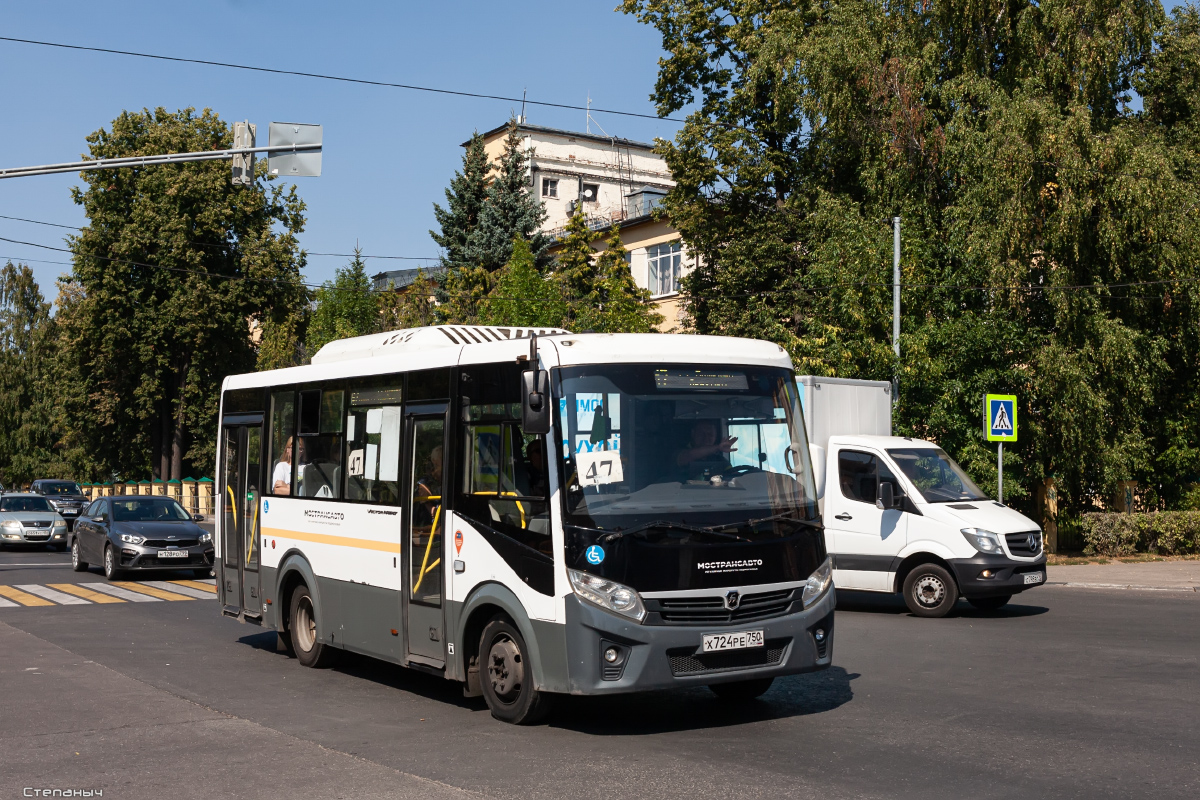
point(507, 676)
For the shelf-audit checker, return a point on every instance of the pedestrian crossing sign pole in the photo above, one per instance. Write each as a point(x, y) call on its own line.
point(1000, 425)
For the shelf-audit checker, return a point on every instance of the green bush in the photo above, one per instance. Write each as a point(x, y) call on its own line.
point(1162, 532)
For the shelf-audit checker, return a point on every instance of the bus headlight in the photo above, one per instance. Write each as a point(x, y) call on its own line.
point(818, 583)
point(608, 594)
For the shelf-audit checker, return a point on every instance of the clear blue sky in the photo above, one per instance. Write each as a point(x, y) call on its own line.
point(389, 153)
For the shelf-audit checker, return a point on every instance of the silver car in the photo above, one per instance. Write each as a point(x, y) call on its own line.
point(29, 519)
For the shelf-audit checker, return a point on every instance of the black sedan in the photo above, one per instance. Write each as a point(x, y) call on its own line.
point(137, 532)
point(65, 496)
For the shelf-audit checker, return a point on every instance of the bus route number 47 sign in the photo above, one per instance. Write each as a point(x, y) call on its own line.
point(1000, 417)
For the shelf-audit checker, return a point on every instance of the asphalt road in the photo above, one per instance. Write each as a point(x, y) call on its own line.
point(1069, 693)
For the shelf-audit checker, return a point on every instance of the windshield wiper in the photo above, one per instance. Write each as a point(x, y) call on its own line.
point(752, 522)
point(659, 524)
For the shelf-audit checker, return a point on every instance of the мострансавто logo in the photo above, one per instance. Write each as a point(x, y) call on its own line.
point(743, 565)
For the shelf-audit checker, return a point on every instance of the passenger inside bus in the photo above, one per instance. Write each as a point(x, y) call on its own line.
point(705, 453)
point(281, 478)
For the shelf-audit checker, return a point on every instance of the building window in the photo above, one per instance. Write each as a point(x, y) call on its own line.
point(663, 262)
point(549, 187)
point(589, 192)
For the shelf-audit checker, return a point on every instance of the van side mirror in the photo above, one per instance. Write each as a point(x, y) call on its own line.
point(887, 498)
point(535, 401)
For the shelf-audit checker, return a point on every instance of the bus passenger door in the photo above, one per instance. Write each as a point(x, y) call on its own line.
point(424, 523)
point(241, 484)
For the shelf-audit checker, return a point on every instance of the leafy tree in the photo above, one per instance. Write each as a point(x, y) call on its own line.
point(282, 344)
point(465, 198)
point(344, 307)
point(29, 446)
point(522, 295)
point(1032, 196)
point(510, 210)
point(165, 280)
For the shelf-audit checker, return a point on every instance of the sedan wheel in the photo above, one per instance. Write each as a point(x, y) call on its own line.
point(111, 571)
point(77, 563)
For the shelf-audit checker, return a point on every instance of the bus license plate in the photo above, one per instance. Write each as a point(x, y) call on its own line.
point(1033, 577)
point(732, 641)
point(172, 554)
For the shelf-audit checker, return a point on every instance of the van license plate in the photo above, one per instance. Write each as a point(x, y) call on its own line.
point(1033, 577)
point(732, 641)
point(172, 554)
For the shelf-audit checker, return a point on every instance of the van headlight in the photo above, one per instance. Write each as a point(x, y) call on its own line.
point(818, 583)
point(607, 594)
point(983, 541)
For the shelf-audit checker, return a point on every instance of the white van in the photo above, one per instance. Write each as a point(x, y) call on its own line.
point(901, 516)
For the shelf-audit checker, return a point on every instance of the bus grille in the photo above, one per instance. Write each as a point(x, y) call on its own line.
point(686, 661)
point(712, 611)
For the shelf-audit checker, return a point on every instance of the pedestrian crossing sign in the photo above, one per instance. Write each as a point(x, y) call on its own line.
point(1000, 417)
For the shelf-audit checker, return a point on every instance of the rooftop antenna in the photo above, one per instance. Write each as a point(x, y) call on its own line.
point(588, 122)
point(523, 91)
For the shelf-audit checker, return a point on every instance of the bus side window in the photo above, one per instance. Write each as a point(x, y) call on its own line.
point(374, 422)
point(282, 442)
point(319, 460)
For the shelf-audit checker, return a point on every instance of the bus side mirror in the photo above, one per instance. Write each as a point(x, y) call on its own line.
point(535, 401)
point(887, 499)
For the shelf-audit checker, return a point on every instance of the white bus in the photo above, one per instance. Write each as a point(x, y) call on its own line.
point(397, 498)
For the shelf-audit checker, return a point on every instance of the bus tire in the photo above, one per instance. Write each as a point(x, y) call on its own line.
point(303, 631)
point(930, 591)
point(506, 675)
point(741, 691)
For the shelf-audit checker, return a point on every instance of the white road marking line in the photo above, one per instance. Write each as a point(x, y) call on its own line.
point(46, 593)
point(124, 594)
point(199, 594)
point(6, 603)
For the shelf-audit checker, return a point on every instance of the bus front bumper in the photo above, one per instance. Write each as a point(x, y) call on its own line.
point(670, 656)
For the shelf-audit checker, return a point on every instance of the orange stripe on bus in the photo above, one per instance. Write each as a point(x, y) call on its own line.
point(324, 538)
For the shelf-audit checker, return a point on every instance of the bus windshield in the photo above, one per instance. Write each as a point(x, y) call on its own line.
point(719, 449)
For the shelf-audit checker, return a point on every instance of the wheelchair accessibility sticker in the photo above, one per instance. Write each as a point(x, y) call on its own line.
point(594, 554)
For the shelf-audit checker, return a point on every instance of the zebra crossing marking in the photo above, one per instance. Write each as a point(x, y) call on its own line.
point(83, 594)
point(47, 593)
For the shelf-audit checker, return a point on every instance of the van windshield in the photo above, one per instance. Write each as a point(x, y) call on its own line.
point(709, 448)
point(936, 475)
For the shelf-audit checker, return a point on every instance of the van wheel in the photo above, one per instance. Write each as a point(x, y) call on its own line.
point(990, 603)
point(930, 591)
point(303, 630)
point(507, 676)
point(742, 690)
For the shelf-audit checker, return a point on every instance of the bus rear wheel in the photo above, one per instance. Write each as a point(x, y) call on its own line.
point(507, 676)
point(303, 632)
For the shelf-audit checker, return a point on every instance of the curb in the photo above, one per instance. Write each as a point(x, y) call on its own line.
point(1134, 587)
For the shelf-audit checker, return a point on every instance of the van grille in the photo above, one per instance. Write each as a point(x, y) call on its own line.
point(687, 661)
point(711, 610)
point(1027, 544)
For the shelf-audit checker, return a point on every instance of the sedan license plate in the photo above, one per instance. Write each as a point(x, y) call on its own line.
point(172, 554)
point(732, 641)
point(69, 512)
point(1033, 577)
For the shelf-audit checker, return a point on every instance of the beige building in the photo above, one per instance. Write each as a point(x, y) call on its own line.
point(615, 182)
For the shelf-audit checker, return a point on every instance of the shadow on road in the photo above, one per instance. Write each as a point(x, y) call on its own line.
point(881, 603)
point(617, 715)
point(698, 708)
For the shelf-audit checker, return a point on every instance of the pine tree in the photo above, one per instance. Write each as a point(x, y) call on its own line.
point(465, 198)
point(574, 270)
point(345, 307)
point(522, 295)
point(510, 211)
point(622, 306)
